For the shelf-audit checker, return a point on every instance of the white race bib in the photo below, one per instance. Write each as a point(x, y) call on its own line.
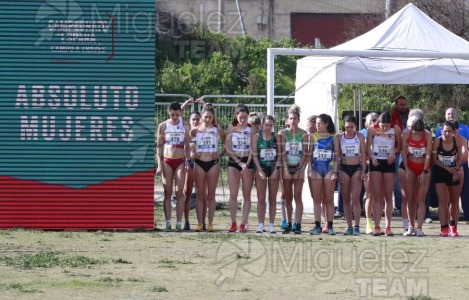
point(174, 138)
point(448, 161)
point(382, 151)
point(293, 148)
point(417, 152)
point(240, 143)
point(322, 154)
point(268, 154)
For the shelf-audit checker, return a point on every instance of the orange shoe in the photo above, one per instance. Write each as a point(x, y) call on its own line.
point(199, 227)
point(210, 228)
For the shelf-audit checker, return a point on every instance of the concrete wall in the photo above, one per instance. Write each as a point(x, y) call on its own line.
point(275, 13)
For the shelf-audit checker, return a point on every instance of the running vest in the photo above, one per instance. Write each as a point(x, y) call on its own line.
point(267, 151)
point(350, 147)
point(241, 139)
point(174, 135)
point(383, 143)
point(294, 146)
point(417, 148)
point(207, 141)
point(448, 158)
point(323, 148)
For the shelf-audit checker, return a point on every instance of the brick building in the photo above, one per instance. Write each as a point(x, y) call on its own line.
point(328, 22)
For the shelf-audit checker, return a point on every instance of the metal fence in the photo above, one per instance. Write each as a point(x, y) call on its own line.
point(224, 113)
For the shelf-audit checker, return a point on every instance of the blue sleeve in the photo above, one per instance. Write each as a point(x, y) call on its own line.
point(438, 132)
point(464, 131)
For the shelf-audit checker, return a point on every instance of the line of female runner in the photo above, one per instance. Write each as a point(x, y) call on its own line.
point(268, 158)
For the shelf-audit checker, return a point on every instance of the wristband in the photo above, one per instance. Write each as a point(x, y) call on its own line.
point(425, 171)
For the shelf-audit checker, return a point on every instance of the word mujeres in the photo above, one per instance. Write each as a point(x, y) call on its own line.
point(73, 108)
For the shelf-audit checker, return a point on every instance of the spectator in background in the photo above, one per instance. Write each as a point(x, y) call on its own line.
point(399, 117)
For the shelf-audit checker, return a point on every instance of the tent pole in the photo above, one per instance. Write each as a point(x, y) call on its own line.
point(270, 81)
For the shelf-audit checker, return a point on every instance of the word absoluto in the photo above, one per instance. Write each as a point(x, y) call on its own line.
point(80, 124)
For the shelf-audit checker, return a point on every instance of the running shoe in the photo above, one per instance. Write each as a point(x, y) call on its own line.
point(453, 230)
point(272, 229)
point(325, 229)
point(210, 228)
point(283, 225)
point(369, 229)
point(199, 227)
point(187, 226)
point(356, 230)
point(331, 231)
point(349, 231)
point(260, 229)
point(168, 228)
point(316, 230)
point(388, 232)
point(293, 228)
point(297, 229)
point(428, 220)
point(233, 228)
point(419, 232)
point(243, 228)
point(410, 231)
point(287, 229)
point(178, 228)
point(338, 215)
point(444, 231)
point(377, 231)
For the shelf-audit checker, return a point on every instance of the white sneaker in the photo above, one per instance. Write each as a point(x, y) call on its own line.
point(260, 229)
point(410, 231)
point(428, 220)
point(272, 229)
point(419, 232)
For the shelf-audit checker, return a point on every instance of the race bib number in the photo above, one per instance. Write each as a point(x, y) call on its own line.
point(383, 151)
point(350, 151)
point(293, 148)
point(268, 155)
point(448, 161)
point(417, 152)
point(322, 154)
point(174, 139)
point(241, 143)
point(207, 142)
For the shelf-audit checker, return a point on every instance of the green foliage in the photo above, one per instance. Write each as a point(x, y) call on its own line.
point(212, 63)
point(46, 259)
point(433, 100)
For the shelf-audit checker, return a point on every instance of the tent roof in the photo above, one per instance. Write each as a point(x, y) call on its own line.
point(407, 30)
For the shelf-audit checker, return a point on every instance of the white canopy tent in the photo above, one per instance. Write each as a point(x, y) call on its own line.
point(409, 31)
point(408, 48)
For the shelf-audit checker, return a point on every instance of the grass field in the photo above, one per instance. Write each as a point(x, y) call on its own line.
point(158, 265)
